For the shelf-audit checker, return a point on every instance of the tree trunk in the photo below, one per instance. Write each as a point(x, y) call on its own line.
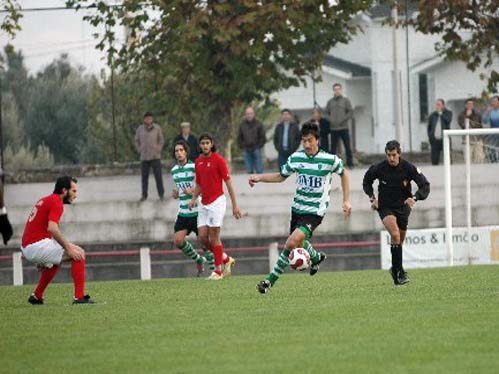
point(222, 119)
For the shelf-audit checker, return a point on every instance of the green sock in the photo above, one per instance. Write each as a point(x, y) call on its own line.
point(281, 265)
point(188, 249)
point(314, 255)
point(209, 259)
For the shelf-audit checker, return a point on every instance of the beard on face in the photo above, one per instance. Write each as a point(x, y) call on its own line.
point(66, 199)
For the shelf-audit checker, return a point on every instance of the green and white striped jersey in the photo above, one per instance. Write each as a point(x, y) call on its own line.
point(184, 177)
point(313, 180)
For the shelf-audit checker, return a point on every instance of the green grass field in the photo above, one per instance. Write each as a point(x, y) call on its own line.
point(446, 320)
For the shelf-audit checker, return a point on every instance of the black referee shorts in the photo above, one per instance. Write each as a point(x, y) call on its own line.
point(401, 214)
point(305, 222)
point(186, 223)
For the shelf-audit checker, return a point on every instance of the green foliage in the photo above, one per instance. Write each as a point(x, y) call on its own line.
point(57, 114)
point(445, 321)
point(469, 31)
point(203, 58)
point(11, 17)
point(25, 158)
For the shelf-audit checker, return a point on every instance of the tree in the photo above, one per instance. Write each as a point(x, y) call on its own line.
point(14, 94)
point(469, 31)
point(57, 114)
point(211, 55)
point(10, 22)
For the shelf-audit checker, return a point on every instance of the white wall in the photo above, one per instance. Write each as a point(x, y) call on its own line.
point(373, 99)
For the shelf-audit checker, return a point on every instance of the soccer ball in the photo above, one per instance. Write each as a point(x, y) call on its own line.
point(299, 259)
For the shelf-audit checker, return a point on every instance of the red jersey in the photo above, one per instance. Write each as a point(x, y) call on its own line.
point(48, 208)
point(210, 171)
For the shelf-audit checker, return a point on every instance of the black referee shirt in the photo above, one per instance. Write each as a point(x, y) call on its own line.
point(395, 183)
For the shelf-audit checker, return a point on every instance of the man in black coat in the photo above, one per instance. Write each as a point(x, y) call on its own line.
point(190, 139)
point(324, 129)
point(287, 137)
point(251, 139)
point(438, 121)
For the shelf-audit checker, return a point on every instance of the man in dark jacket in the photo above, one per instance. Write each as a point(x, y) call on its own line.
point(251, 139)
point(340, 112)
point(471, 118)
point(286, 137)
point(438, 121)
point(324, 128)
point(190, 139)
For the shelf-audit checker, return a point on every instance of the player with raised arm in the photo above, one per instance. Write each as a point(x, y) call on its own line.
point(314, 168)
point(44, 244)
point(187, 220)
point(211, 172)
point(395, 200)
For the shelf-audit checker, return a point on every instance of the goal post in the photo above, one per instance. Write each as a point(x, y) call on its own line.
point(490, 148)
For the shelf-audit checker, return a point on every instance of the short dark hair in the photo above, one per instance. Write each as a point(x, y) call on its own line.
point(209, 137)
point(147, 114)
point(442, 101)
point(393, 145)
point(63, 182)
point(310, 128)
point(495, 97)
point(317, 109)
point(184, 144)
point(468, 100)
point(337, 85)
point(286, 110)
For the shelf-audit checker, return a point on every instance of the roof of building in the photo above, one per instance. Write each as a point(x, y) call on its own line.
point(384, 10)
point(354, 69)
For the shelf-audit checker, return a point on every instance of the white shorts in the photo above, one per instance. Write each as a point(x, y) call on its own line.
point(45, 252)
point(212, 215)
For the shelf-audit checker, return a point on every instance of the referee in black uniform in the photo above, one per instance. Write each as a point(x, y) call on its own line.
point(395, 200)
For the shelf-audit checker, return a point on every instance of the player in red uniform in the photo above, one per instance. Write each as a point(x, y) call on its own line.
point(43, 242)
point(211, 170)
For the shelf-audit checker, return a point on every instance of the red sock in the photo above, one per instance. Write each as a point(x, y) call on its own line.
point(78, 274)
point(45, 278)
point(225, 258)
point(218, 252)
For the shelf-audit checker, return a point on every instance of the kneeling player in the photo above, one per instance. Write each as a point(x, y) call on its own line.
point(395, 200)
point(44, 244)
point(313, 186)
point(187, 220)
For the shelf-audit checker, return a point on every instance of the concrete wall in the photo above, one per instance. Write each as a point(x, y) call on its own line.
point(107, 209)
point(108, 216)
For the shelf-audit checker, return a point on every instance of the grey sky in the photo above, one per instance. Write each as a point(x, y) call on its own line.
point(45, 35)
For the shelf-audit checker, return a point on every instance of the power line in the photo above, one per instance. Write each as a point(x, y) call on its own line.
point(49, 9)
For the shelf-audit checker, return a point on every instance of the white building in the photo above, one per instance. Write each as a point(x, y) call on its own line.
point(364, 67)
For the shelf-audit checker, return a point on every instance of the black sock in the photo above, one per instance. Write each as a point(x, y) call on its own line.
point(396, 250)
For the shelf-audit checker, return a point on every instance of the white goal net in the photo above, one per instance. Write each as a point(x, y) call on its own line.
point(471, 162)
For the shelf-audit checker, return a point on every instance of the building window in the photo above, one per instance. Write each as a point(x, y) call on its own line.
point(423, 97)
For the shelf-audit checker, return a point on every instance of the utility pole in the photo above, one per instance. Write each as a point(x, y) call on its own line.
point(397, 91)
point(408, 61)
point(2, 170)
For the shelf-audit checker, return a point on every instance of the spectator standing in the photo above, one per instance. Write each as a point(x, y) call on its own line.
point(149, 142)
point(474, 119)
point(491, 118)
point(190, 139)
point(340, 112)
point(287, 137)
point(251, 139)
point(438, 121)
point(324, 129)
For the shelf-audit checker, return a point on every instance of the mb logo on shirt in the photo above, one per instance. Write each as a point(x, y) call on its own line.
point(309, 181)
